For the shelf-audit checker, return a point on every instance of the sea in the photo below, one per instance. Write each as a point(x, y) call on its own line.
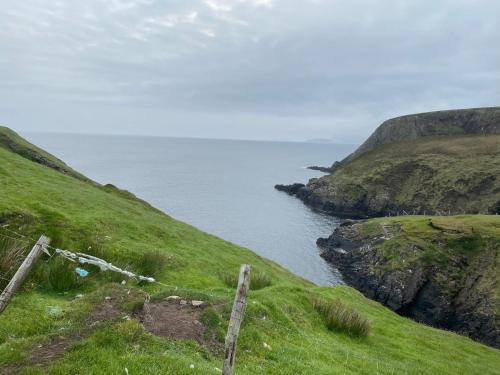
point(224, 187)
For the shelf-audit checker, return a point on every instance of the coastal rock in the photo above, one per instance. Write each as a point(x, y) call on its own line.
point(437, 163)
point(321, 169)
point(290, 189)
point(445, 296)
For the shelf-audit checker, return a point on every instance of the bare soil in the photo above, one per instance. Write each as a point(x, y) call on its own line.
point(177, 320)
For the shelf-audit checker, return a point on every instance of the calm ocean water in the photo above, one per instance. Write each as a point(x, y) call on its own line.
point(222, 187)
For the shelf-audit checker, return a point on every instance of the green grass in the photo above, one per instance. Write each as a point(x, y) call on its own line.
point(78, 215)
point(258, 280)
point(339, 317)
point(12, 252)
point(455, 175)
point(10, 140)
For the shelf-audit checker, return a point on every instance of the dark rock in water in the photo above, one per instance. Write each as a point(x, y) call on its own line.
point(428, 293)
point(321, 169)
point(290, 189)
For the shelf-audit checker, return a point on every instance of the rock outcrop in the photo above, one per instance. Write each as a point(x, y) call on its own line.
point(426, 278)
point(433, 163)
point(474, 121)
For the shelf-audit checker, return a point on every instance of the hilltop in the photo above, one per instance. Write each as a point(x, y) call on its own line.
point(459, 122)
point(430, 163)
point(61, 325)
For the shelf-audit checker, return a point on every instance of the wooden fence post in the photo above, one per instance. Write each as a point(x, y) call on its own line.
point(236, 318)
point(22, 272)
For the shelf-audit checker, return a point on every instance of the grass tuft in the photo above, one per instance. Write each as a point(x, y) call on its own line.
point(152, 263)
point(11, 256)
point(61, 275)
point(258, 280)
point(339, 317)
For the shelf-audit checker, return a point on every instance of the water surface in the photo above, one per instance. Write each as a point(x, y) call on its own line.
point(220, 186)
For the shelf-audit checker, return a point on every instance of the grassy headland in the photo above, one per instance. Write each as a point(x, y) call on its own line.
point(434, 163)
point(112, 224)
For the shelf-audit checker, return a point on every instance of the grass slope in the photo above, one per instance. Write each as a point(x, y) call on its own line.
point(81, 216)
point(10, 140)
point(457, 174)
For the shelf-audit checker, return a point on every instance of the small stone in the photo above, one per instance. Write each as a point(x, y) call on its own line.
point(268, 347)
point(124, 282)
point(107, 298)
point(79, 296)
point(173, 297)
point(196, 303)
point(183, 302)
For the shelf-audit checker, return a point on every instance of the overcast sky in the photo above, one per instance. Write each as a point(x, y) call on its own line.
point(250, 69)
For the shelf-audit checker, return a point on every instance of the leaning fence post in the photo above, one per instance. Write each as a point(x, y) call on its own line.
point(22, 272)
point(236, 318)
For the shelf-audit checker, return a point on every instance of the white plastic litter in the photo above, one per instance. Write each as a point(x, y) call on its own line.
point(83, 258)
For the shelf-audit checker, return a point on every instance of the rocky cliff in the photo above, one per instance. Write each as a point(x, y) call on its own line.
point(440, 271)
point(475, 121)
point(431, 163)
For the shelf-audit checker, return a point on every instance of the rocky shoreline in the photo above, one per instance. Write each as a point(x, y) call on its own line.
point(430, 293)
point(321, 204)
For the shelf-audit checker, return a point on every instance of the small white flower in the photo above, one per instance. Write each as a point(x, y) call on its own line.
point(268, 347)
point(191, 366)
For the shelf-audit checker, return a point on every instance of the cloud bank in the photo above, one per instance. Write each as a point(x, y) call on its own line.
point(255, 69)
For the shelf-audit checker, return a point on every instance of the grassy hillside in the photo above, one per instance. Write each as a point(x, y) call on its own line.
point(67, 321)
point(429, 175)
point(439, 270)
point(10, 140)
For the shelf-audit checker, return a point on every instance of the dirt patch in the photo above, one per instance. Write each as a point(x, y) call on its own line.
point(177, 319)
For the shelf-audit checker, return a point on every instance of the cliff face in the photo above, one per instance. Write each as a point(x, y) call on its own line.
point(476, 121)
point(431, 163)
point(440, 271)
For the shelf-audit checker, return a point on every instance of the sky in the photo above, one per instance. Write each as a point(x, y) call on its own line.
point(243, 69)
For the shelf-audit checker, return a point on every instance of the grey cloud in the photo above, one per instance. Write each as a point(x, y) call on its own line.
point(243, 68)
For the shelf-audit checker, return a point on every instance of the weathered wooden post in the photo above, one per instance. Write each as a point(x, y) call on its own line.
point(236, 318)
point(22, 272)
